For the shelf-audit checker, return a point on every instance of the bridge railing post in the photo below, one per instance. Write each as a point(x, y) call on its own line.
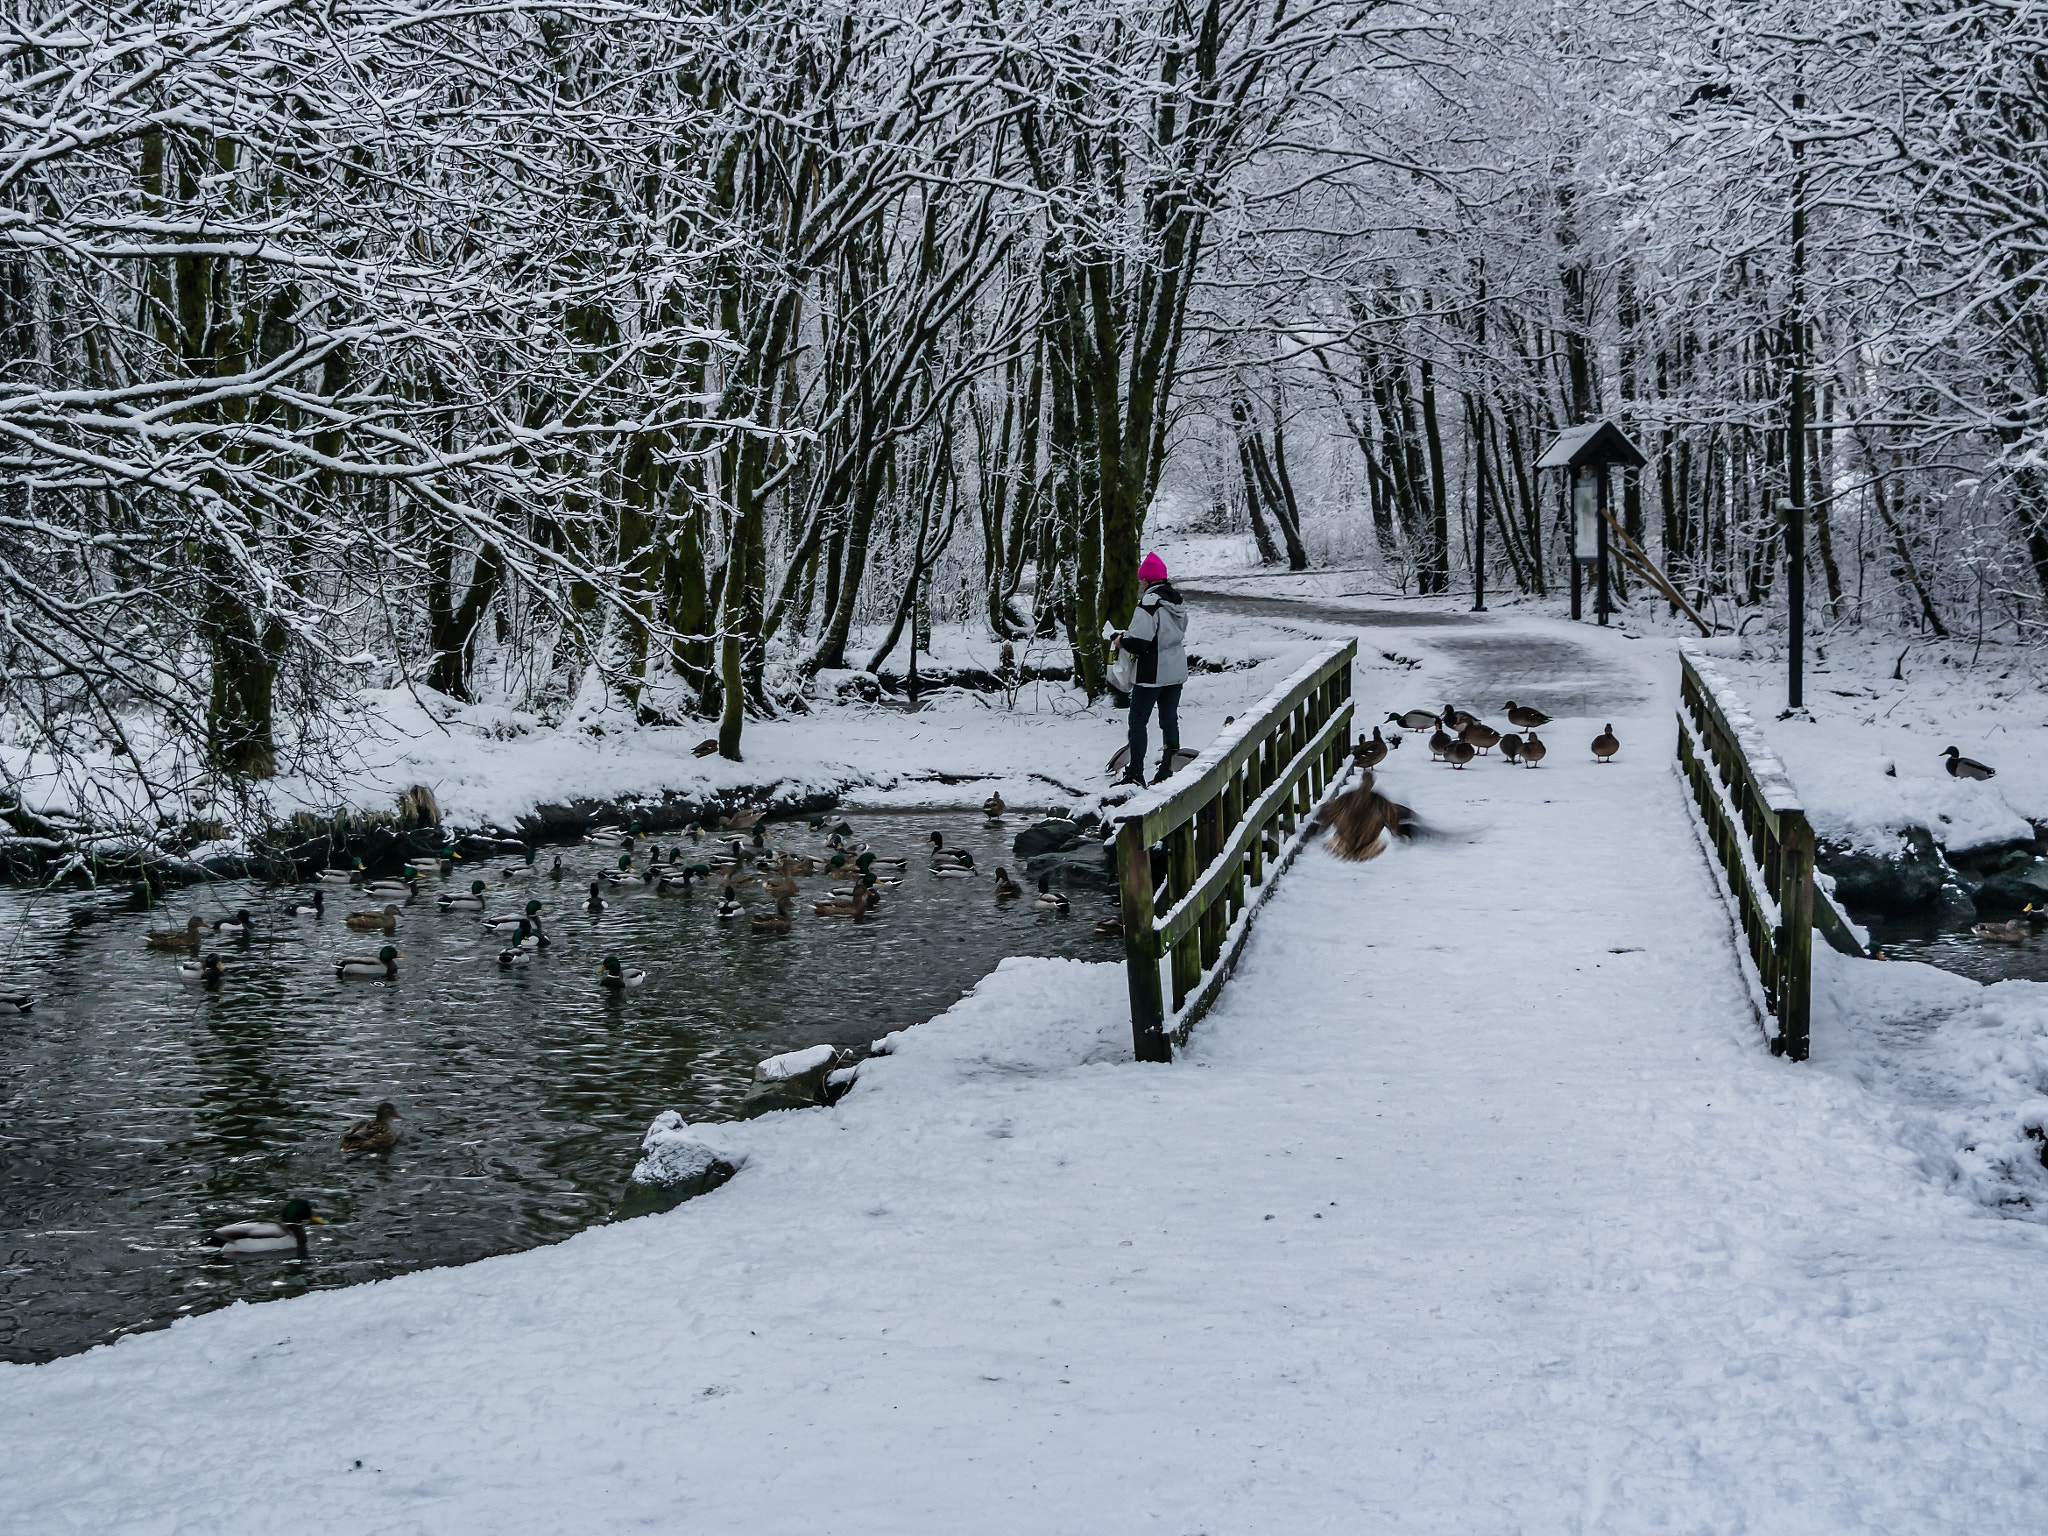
point(1241, 813)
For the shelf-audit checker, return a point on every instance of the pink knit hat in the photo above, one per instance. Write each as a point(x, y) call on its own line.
point(1154, 569)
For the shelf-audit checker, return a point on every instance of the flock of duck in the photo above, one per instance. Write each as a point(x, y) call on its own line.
point(730, 860)
point(1457, 737)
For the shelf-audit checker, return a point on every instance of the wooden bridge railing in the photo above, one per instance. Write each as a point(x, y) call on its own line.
point(1240, 815)
point(1764, 843)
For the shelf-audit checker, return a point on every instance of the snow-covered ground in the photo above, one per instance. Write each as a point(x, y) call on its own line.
point(1867, 753)
point(1478, 1205)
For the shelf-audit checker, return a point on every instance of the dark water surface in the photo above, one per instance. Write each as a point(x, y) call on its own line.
point(1948, 943)
point(137, 1111)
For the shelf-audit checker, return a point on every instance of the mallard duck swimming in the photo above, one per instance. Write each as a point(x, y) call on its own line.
point(527, 937)
point(1050, 899)
point(555, 870)
point(853, 904)
point(610, 837)
point(317, 907)
point(740, 820)
point(619, 977)
point(373, 1135)
point(1415, 720)
point(1005, 886)
point(2014, 932)
point(1533, 751)
point(780, 922)
point(207, 971)
point(286, 1234)
point(1111, 927)
point(385, 965)
point(993, 806)
point(596, 903)
point(1606, 744)
point(16, 1000)
point(1439, 744)
point(471, 900)
point(729, 906)
point(521, 871)
point(186, 937)
point(676, 881)
point(391, 887)
point(366, 922)
point(236, 927)
point(516, 955)
point(431, 869)
point(942, 855)
point(511, 922)
point(1960, 767)
point(1526, 719)
point(347, 876)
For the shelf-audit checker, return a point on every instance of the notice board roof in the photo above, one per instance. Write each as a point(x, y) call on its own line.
point(1590, 446)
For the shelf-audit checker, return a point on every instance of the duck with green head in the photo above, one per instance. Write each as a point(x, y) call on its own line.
point(617, 977)
point(385, 965)
point(207, 971)
point(469, 901)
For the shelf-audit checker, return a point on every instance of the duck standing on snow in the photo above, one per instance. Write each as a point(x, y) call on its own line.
point(1439, 745)
point(1460, 752)
point(471, 900)
point(186, 937)
point(385, 965)
point(619, 977)
point(1511, 747)
point(373, 1135)
point(1414, 720)
point(1961, 767)
point(207, 971)
point(287, 1234)
point(1524, 719)
point(1606, 744)
point(1370, 754)
point(1479, 736)
point(1533, 751)
point(1048, 898)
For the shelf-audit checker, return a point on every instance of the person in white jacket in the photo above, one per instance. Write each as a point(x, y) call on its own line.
point(1156, 638)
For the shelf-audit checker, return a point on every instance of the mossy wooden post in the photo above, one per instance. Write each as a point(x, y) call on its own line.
point(1141, 947)
point(1795, 946)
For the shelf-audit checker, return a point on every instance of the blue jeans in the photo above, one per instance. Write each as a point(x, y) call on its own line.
point(1142, 699)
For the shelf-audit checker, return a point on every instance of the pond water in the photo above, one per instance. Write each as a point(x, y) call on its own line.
point(137, 1112)
point(1949, 943)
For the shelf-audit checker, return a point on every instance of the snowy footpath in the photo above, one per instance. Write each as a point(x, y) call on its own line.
point(1477, 1206)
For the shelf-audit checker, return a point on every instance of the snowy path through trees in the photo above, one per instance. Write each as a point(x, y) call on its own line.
point(1476, 1206)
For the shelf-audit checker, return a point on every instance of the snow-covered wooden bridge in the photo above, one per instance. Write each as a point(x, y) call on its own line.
point(1475, 1204)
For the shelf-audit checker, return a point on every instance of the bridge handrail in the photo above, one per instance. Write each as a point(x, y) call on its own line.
point(1247, 800)
point(1761, 838)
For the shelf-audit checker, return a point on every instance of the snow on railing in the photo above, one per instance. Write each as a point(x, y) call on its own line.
point(1242, 810)
point(1759, 835)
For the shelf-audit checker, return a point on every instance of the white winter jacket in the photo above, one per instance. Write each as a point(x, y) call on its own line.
point(1158, 630)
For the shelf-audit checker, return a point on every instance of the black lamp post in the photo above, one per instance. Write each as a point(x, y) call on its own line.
point(1585, 453)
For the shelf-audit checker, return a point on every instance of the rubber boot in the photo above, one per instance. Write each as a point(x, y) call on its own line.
point(1165, 771)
